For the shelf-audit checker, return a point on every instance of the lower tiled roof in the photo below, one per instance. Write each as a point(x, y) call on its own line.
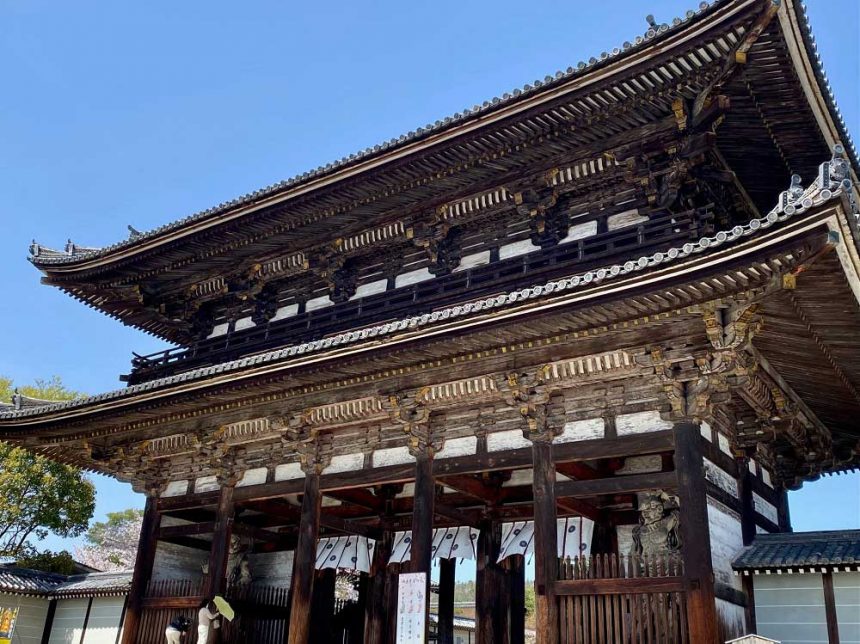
point(23, 581)
point(801, 550)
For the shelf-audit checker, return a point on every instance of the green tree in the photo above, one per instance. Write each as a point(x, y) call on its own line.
point(47, 561)
point(39, 496)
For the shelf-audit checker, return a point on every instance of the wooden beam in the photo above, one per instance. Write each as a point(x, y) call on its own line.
point(187, 530)
point(620, 586)
point(545, 540)
point(305, 558)
point(216, 582)
point(447, 581)
point(830, 608)
point(142, 569)
point(472, 486)
point(695, 534)
point(616, 485)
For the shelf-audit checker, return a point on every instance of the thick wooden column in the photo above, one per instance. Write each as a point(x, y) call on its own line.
point(375, 612)
point(695, 534)
point(422, 522)
point(545, 539)
point(447, 579)
point(305, 557)
point(830, 608)
point(142, 568)
point(216, 582)
point(516, 568)
point(322, 606)
point(491, 597)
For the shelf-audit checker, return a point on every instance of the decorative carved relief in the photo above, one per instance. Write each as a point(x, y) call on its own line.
point(658, 532)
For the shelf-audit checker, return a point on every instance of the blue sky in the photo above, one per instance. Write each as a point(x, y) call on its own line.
point(141, 113)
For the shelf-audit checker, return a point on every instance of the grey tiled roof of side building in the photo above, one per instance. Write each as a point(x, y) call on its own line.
point(801, 550)
point(95, 583)
point(28, 582)
point(659, 32)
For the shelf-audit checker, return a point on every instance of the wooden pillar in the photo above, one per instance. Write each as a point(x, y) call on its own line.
point(422, 523)
point(216, 582)
point(783, 515)
point(142, 568)
point(695, 534)
point(745, 494)
point(749, 609)
point(545, 539)
point(322, 606)
point(516, 568)
point(830, 608)
point(447, 579)
point(376, 610)
point(491, 585)
point(49, 621)
point(305, 558)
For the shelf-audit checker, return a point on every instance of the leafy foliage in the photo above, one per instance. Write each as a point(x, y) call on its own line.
point(59, 562)
point(38, 496)
point(112, 544)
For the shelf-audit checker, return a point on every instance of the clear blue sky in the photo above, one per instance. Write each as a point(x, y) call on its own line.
point(141, 113)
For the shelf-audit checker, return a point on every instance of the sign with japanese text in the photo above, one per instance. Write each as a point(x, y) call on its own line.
point(412, 608)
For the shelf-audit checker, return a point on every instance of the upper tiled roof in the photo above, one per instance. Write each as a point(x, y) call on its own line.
point(74, 253)
point(832, 182)
point(801, 550)
point(28, 582)
point(95, 583)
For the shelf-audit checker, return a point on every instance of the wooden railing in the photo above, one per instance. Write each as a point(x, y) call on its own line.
point(658, 233)
point(607, 599)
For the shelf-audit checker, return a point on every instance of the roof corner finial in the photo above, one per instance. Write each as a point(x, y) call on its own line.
point(133, 233)
point(35, 248)
point(70, 247)
point(650, 20)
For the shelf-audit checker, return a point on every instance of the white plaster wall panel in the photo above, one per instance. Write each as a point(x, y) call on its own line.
point(516, 249)
point(580, 231)
point(256, 476)
point(32, 613)
point(765, 477)
point(510, 439)
point(465, 446)
point(392, 456)
point(641, 465)
point(271, 568)
point(219, 329)
point(177, 562)
point(176, 488)
point(328, 502)
point(751, 466)
point(345, 463)
point(520, 477)
point(285, 312)
point(723, 442)
point(413, 277)
point(407, 492)
point(205, 484)
point(846, 591)
point(727, 541)
point(766, 509)
point(640, 422)
point(318, 303)
point(473, 260)
point(103, 626)
point(625, 538)
point(289, 471)
point(624, 219)
point(243, 323)
point(732, 618)
point(581, 430)
point(68, 621)
point(720, 478)
point(705, 430)
point(790, 608)
point(370, 288)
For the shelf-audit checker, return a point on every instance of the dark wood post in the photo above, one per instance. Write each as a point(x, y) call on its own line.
point(447, 579)
point(322, 606)
point(142, 568)
point(695, 534)
point(745, 493)
point(516, 568)
point(305, 558)
point(375, 612)
point(783, 515)
point(220, 551)
point(491, 605)
point(830, 608)
point(749, 609)
point(422, 522)
point(545, 539)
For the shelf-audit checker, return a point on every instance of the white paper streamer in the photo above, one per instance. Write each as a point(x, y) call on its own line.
point(448, 543)
point(573, 535)
point(348, 552)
